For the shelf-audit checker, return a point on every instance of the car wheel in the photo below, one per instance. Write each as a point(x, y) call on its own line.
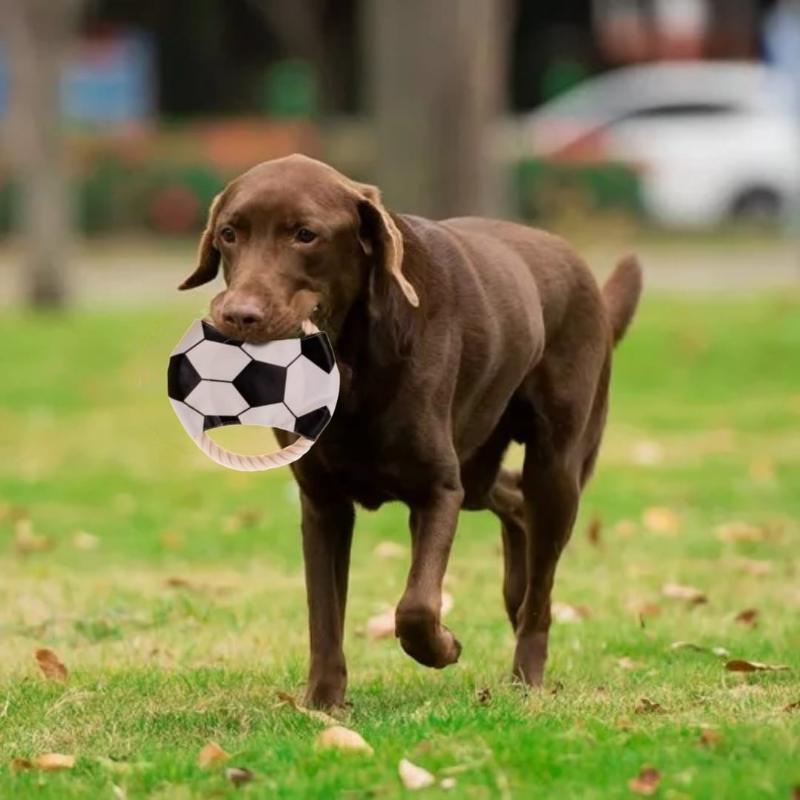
point(758, 206)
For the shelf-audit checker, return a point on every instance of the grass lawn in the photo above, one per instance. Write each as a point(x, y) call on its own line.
point(173, 589)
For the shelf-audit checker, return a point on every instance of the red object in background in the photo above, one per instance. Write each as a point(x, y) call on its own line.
point(174, 210)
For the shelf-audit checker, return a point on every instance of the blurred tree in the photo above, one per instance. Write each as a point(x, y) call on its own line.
point(438, 72)
point(37, 34)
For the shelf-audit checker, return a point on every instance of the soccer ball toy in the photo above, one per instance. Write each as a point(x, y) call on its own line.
point(290, 384)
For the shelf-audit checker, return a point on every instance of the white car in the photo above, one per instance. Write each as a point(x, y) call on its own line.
point(710, 141)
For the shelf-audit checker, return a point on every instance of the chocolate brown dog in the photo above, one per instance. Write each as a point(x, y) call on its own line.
point(454, 339)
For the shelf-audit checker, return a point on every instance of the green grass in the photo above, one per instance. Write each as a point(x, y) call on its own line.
point(88, 443)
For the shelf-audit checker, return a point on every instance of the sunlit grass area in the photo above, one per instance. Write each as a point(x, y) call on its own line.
point(172, 590)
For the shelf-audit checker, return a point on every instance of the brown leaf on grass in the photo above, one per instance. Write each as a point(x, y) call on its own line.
point(51, 666)
point(50, 762)
point(647, 453)
point(748, 617)
point(742, 665)
point(646, 706)
point(594, 530)
point(484, 696)
point(661, 519)
point(414, 777)
point(238, 776)
point(643, 609)
point(285, 698)
point(389, 550)
point(646, 782)
point(447, 603)
point(26, 540)
point(211, 755)
point(565, 612)
point(380, 626)
point(710, 737)
point(625, 527)
point(85, 541)
point(755, 567)
point(690, 594)
point(720, 652)
point(337, 737)
point(739, 531)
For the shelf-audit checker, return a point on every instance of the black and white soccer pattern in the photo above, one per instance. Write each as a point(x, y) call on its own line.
point(291, 384)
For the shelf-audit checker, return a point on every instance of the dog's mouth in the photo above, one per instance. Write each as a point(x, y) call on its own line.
point(266, 333)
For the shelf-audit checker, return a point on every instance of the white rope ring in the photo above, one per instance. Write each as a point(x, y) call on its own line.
point(252, 463)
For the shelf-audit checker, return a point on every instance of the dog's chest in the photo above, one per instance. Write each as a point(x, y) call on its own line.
point(371, 465)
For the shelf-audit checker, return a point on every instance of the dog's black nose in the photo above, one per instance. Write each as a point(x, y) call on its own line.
point(243, 315)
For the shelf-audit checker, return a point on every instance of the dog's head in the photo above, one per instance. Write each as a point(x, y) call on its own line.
point(296, 238)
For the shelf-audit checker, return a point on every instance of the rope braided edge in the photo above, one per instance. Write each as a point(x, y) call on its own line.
point(260, 463)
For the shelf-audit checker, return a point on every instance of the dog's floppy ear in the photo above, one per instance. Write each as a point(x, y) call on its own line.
point(208, 257)
point(379, 235)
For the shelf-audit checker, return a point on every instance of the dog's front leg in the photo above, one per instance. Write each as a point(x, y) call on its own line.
point(418, 615)
point(327, 536)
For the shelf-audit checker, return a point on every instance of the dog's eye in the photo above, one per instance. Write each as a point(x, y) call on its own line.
point(305, 235)
point(227, 234)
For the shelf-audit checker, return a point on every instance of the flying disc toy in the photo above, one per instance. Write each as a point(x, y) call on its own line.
point(292, 384)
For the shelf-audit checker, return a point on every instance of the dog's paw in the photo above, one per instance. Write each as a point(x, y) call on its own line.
point(432, 645)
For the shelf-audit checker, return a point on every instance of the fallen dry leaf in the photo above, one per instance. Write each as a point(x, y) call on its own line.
point(646, 782)
point(389, 550)
point(647, 453)
point(337, 737)
point(646, 706)
point(447, 604)
point(26, 540)
point(320, 716)
point(49, 762)
point(720, 652)
point(738, 531)
point(710, 737)
point(381, 626)
point(484, 696)
point(691, 594)
point(564, 612)
point(594, 530)
point(748, 617)
point(660, 519)
point(211, 755)
point(414, 777)
point(742, 665)
point(83, 540)
point(625, 527)
point(51, 666)
point(238, 776)
point(754, 567)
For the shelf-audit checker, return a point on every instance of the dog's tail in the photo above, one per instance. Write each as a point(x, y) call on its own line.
point(621, 294)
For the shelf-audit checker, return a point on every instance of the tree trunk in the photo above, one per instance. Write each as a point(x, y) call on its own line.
point(37, 36)
point(438, 75)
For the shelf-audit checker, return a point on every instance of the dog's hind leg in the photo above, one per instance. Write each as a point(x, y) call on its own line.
point(506, 502)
